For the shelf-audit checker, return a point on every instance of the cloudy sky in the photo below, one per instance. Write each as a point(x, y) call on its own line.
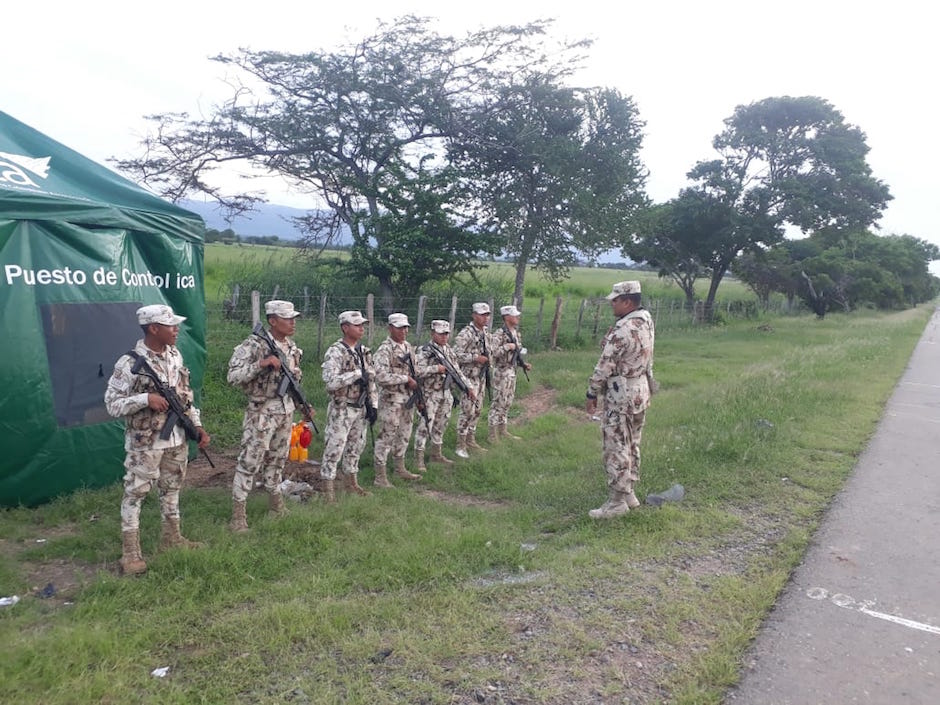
point(87, 73)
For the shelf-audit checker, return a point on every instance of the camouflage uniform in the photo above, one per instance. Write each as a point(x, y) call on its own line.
point(437, 395)
point(504, 374)
point(150, 460)
point(345, 434)
point(622, 376)
point(470, 343)
point(267, 423)
point(391, 376)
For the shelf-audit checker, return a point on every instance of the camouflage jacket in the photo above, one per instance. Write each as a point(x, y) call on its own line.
point(260, 383)
point(126, 396)
point(342, 374)
point(623, 372)
point(471, 342)
point(503, 358)
point(391, 374)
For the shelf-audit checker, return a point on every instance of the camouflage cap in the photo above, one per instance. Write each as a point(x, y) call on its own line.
point(439, 326)
point(399, 320)
point(353, 317)
point(481, 308)
point(623, 288)
point(158, 313)
point(509, 311)
point(281, 309)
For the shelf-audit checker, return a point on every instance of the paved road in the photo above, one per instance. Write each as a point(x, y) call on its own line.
point(860, 620)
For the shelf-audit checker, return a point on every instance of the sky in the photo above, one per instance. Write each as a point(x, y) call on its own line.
point(86, 74)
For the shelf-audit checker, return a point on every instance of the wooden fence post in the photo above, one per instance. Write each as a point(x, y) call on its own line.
point(306, 308)
point(370, 314)
point(320, 326)
point(453, 313)
point(419, 323)
point(255, 308)
point(577, 332)
point(553, 339)
point(538, 320)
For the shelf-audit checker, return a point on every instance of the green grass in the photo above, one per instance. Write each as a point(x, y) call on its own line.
point(489, 580)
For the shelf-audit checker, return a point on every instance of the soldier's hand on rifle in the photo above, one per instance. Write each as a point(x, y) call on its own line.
point(511, 346)
point(482, 359)
point(157, 402)
point(527, 366)
point(441, 370)
point(307, 412)
point(204, 437)
point(412, 383)
point(272, 361)
point(472, 394)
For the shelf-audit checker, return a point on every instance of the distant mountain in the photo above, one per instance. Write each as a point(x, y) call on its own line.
point(268, 219)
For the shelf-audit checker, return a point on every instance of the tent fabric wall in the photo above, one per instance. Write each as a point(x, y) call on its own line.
point(80, 249)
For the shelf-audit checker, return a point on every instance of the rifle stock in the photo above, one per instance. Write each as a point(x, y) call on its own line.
point(417, 396)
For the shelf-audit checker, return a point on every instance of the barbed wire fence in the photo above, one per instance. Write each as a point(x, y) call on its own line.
point(546, 324)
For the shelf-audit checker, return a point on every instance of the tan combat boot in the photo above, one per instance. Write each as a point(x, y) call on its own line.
point(381, 476)
point(631, 499)
point(276, 504)
point(461, 450)
point(171, 536)
point(504, 430)
point(352, 485)
point(402, 472)
point(239, 522)
point(132, 563)
point(615, 506)
point(419, 461)
point(437, 455)
point(493, 436)
point(472, 443)
point(329, 493)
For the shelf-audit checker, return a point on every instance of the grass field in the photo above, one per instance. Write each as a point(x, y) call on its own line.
point(487, 583)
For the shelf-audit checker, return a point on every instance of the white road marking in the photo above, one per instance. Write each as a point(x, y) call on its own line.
point(847, 602)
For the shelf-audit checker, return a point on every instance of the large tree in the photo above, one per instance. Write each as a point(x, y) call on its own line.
point(782, 161)
point(363, 130)
point(555, 170)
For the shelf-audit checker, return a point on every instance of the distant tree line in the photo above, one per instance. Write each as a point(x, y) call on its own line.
point(437, 152)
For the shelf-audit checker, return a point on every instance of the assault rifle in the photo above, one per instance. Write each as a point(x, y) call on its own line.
point(518, 361)
point(288, 383)
point(488, 378)
point(417, 396)
point(365, 398)
point(452, 376)
point(176, 414)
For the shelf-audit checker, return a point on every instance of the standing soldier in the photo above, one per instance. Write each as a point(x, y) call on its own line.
point(472, 348)
point(349, 376)
point(393, 361)
point(506, 346)
point(152, 459)
point(438, 371)
point(623, 377)
point(266, 426)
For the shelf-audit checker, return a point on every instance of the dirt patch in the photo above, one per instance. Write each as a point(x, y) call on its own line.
point(536, 403)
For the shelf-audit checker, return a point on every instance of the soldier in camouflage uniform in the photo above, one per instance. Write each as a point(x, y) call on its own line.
point(435, 380)
point(504, 344)
point(396, 385)
point(349, 375)
point(623, 377)
point(266, 426)
point(150, 459)
point(472, 348)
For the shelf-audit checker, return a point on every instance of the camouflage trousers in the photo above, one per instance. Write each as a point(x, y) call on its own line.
point(621, 432)
point(166, 468)
point(395, 430)
point(264, 448)
point(343, 440)
point(440, 405)
point(470, 408)
point(504, 391)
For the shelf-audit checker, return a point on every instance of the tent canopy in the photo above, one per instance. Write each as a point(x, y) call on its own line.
point(81, 248)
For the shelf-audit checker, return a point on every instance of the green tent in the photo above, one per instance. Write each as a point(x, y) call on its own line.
point(81, 248)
